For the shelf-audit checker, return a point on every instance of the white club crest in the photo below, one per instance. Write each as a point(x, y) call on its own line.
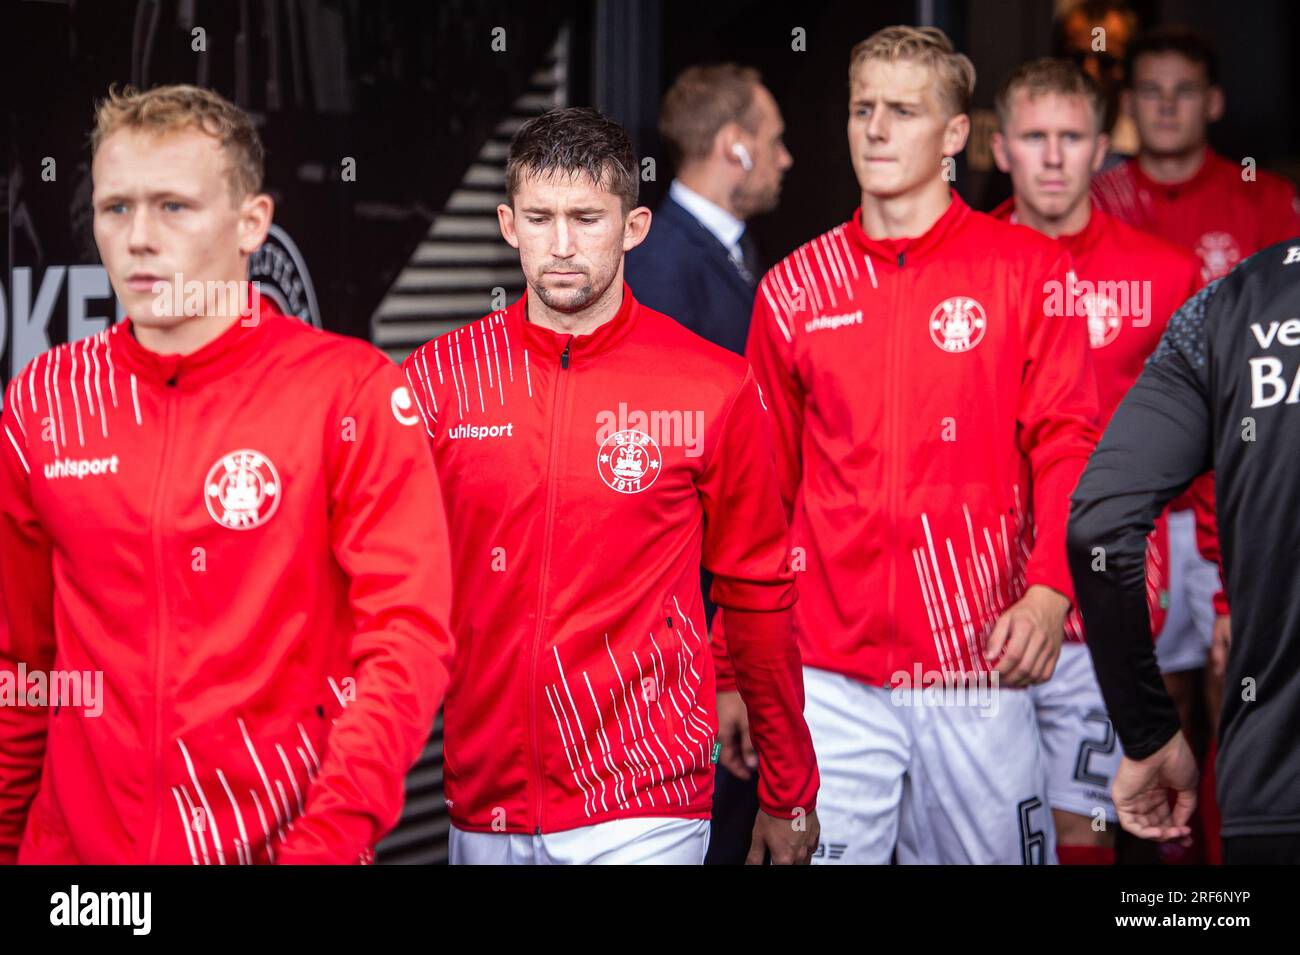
point(1219, 253)
point(629, 461)
point(242, 490)
point(1104, 320)
point(957, 324)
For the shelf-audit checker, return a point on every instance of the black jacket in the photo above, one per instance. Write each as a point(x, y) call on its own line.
point(1221, 392)
point(682, 270)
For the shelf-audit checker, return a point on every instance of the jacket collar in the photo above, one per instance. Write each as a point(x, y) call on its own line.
point(1085, 240)
point(550, 344)
point(229, 351)
point(1077, 243)
point(914, 248)
point(722, 225)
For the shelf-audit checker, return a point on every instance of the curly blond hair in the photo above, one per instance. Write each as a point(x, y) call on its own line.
point(171, 108)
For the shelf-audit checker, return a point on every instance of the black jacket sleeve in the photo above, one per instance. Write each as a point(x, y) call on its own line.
point(1158, 441)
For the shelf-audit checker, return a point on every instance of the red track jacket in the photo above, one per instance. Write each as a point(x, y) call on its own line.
point(1128, 284)
point(918, 386)
point(1218, 213)
point(248, 543)
point(586, 480)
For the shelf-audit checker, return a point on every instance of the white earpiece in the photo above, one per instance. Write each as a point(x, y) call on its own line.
point(741, 153)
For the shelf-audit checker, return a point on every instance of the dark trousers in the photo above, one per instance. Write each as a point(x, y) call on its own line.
point(735, 806)
point(735, 801)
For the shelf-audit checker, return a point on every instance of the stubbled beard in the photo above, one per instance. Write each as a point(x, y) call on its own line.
point(566, 300)
point(754, 203)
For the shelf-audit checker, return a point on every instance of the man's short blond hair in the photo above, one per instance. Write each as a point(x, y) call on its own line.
point(928, 46)
point(165, 109)
point(1045, 76)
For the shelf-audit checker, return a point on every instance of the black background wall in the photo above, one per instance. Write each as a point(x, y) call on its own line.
point(1256, 41)
point(409, 91)
point(412, 91)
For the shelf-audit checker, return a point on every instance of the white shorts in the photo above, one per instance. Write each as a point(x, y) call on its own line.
point(1184, 642)
point(1080, 747)
point(939, 783)
point(639, 841)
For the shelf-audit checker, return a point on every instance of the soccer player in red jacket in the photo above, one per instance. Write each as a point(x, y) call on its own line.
point(1177, 186)
point(919, 384)
point(228, 524)
point(1181, 190)
point(594, 454)
point(1127, 284)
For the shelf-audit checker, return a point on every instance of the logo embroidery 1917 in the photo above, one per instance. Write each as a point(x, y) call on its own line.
point(629, 461)
point(957, 324)
point(242, 490)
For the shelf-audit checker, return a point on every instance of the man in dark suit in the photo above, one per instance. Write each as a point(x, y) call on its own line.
point(700, 266)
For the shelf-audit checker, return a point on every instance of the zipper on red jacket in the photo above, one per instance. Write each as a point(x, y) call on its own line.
point(548, 522)
point(160, 590)
point(895, 347)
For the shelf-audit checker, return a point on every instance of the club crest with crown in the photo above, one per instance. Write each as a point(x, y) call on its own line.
point(957, 324)
point(242, 490)
point(1218, 252)
point(1104, 319)
point(629, 461)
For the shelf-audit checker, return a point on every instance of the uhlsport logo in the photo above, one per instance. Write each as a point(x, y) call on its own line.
point(1104, 320)
point(1219, 253)
point(957, 324)
point(830, 322)
point(629, 461)
point(242, 490)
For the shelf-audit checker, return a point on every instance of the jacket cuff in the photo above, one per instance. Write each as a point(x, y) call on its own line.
point(1042, 573)
point(337, 841)
point(770, 679)
point(784, 812)
point(723, 670)
point(1153, 743)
